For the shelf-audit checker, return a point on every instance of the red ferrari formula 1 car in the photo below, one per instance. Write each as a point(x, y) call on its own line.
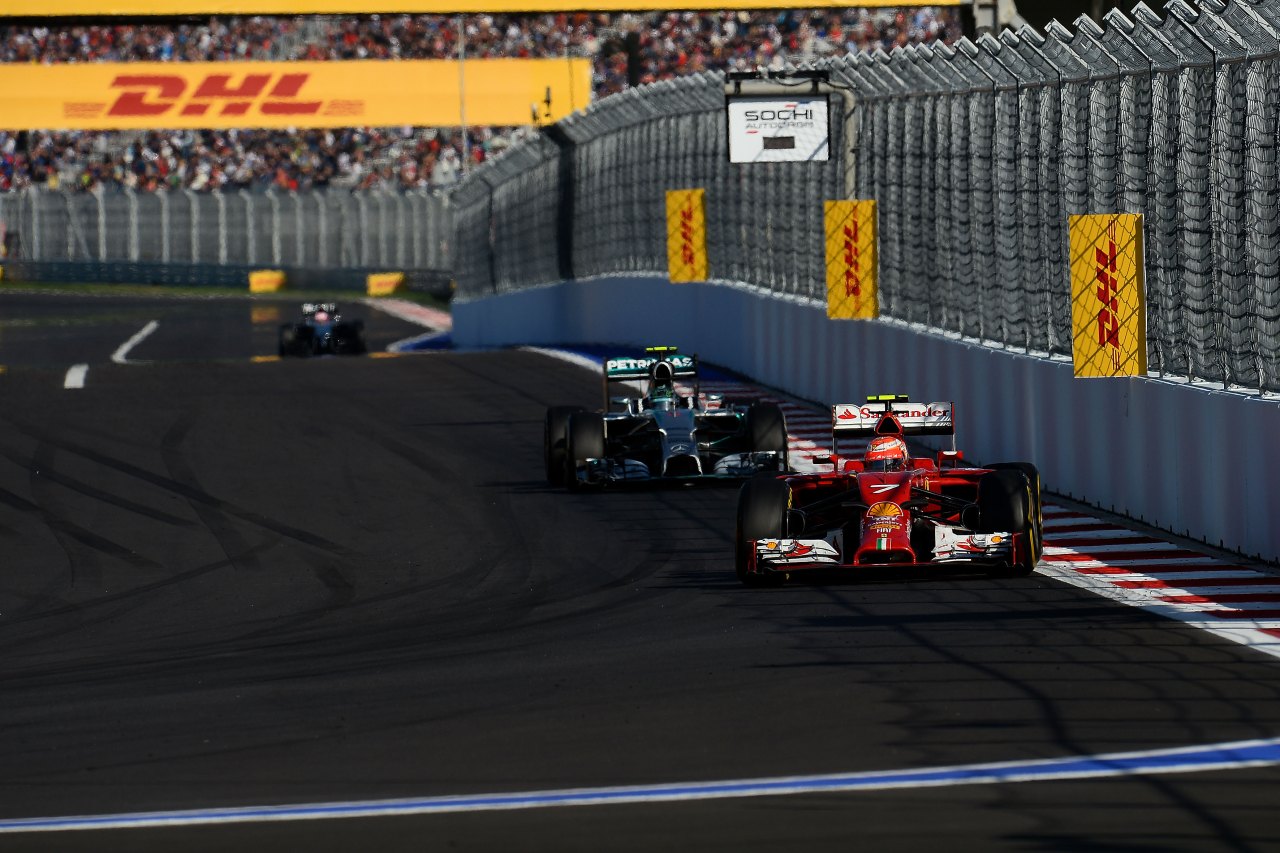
point(888, 509)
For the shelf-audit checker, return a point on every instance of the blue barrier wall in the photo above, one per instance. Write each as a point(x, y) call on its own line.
point(1192, 460)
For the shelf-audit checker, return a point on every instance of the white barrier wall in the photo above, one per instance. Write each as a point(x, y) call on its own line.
point(1194, 461)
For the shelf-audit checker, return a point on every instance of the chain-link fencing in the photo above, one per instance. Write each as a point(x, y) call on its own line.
point(976, 153)
point(321, 238)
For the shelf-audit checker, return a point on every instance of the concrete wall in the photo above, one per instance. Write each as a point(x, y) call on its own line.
point(1194, 461)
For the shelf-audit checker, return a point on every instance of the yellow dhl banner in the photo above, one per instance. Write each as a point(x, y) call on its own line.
point(686, 235)
point(1108, 297)
point(852, 270)
point(427, 92)
point(206, 8)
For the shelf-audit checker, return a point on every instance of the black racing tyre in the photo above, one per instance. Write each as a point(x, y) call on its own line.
point(767, 429)
point(555, 432)
point(288, 339)
point(584, 439)
point(1037, 505)
point(762, 514)
point(1004, 504)
point(347, 339)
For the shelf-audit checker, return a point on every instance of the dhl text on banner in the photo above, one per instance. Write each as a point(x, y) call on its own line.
point(687, 235)
point(852, 269)
point(1108, 300)
point(372, 93)
point(206, 8)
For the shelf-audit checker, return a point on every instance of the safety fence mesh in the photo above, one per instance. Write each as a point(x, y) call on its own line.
point(976, 153)
point(196, 238)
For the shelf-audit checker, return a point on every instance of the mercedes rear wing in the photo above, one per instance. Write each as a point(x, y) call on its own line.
point(625, 368)
point(620, 369)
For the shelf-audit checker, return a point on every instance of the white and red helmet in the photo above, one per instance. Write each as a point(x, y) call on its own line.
point(886, 453)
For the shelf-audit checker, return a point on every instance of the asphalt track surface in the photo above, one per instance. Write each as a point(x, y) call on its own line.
point(229, 583)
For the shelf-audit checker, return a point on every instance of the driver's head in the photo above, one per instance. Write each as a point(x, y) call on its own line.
point(322, 316)
point(662, 386)
point(885, 453)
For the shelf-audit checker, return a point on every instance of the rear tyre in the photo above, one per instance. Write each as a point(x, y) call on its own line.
point(584, 439)
point(767, 428)
point(762, 514)
point(1004, 504)
point(286, 340)
point(555, 433)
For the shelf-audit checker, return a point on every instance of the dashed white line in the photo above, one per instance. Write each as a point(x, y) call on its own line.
point(75, 376)
point(121, 355)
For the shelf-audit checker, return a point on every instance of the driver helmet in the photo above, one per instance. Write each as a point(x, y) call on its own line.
point(322, 316)
point(662, 387)
point(885, 453)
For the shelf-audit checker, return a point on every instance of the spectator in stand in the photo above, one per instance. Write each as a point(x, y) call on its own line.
point(670, 44)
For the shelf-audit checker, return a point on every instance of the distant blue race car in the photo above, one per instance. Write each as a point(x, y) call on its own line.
point(322, 331)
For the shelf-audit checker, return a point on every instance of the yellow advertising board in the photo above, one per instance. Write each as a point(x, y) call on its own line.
point(197, 95)
point(1108, 296)
point(852, 262)
point(384, 283)
point(206, 8)
point(687, 235)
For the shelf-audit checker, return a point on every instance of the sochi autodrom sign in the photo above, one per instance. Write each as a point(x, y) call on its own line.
point(1108, 298)
point(778, 130)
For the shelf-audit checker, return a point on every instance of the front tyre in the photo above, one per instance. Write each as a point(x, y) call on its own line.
point(762, 514)
point(555, 435)
point(1005, 505)
point(584, 439)
point(1037, 506)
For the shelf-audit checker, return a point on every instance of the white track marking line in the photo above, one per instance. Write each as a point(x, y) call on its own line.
point(1193, 759)
point(121, 355)
point(1244, 631)
point(1052, 536)
point(75, 376)
point(1154, 547)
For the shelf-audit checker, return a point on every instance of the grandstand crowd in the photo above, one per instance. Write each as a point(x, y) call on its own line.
point(668, 44)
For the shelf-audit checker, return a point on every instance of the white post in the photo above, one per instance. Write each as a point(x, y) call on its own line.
point(98, 194)
point(221, 198)
point(193, 207)
point(323, 220)
point(299, 247)
point(134, 249)
point(163, 195)
point(462, 93)
point(251, 233)
point(277, 250)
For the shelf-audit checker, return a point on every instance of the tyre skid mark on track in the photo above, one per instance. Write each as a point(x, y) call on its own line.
point(194, 494)
point(1102, 557)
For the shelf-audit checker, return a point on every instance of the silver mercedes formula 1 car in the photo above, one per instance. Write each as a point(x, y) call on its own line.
point(666, 435)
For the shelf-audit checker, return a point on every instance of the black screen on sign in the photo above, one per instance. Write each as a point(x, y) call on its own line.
point(777, 143)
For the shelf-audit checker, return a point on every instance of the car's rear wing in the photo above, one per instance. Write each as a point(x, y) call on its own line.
point(623, 368)
point(853, 420)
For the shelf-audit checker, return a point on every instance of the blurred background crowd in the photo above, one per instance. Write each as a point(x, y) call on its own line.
point(663, 45)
